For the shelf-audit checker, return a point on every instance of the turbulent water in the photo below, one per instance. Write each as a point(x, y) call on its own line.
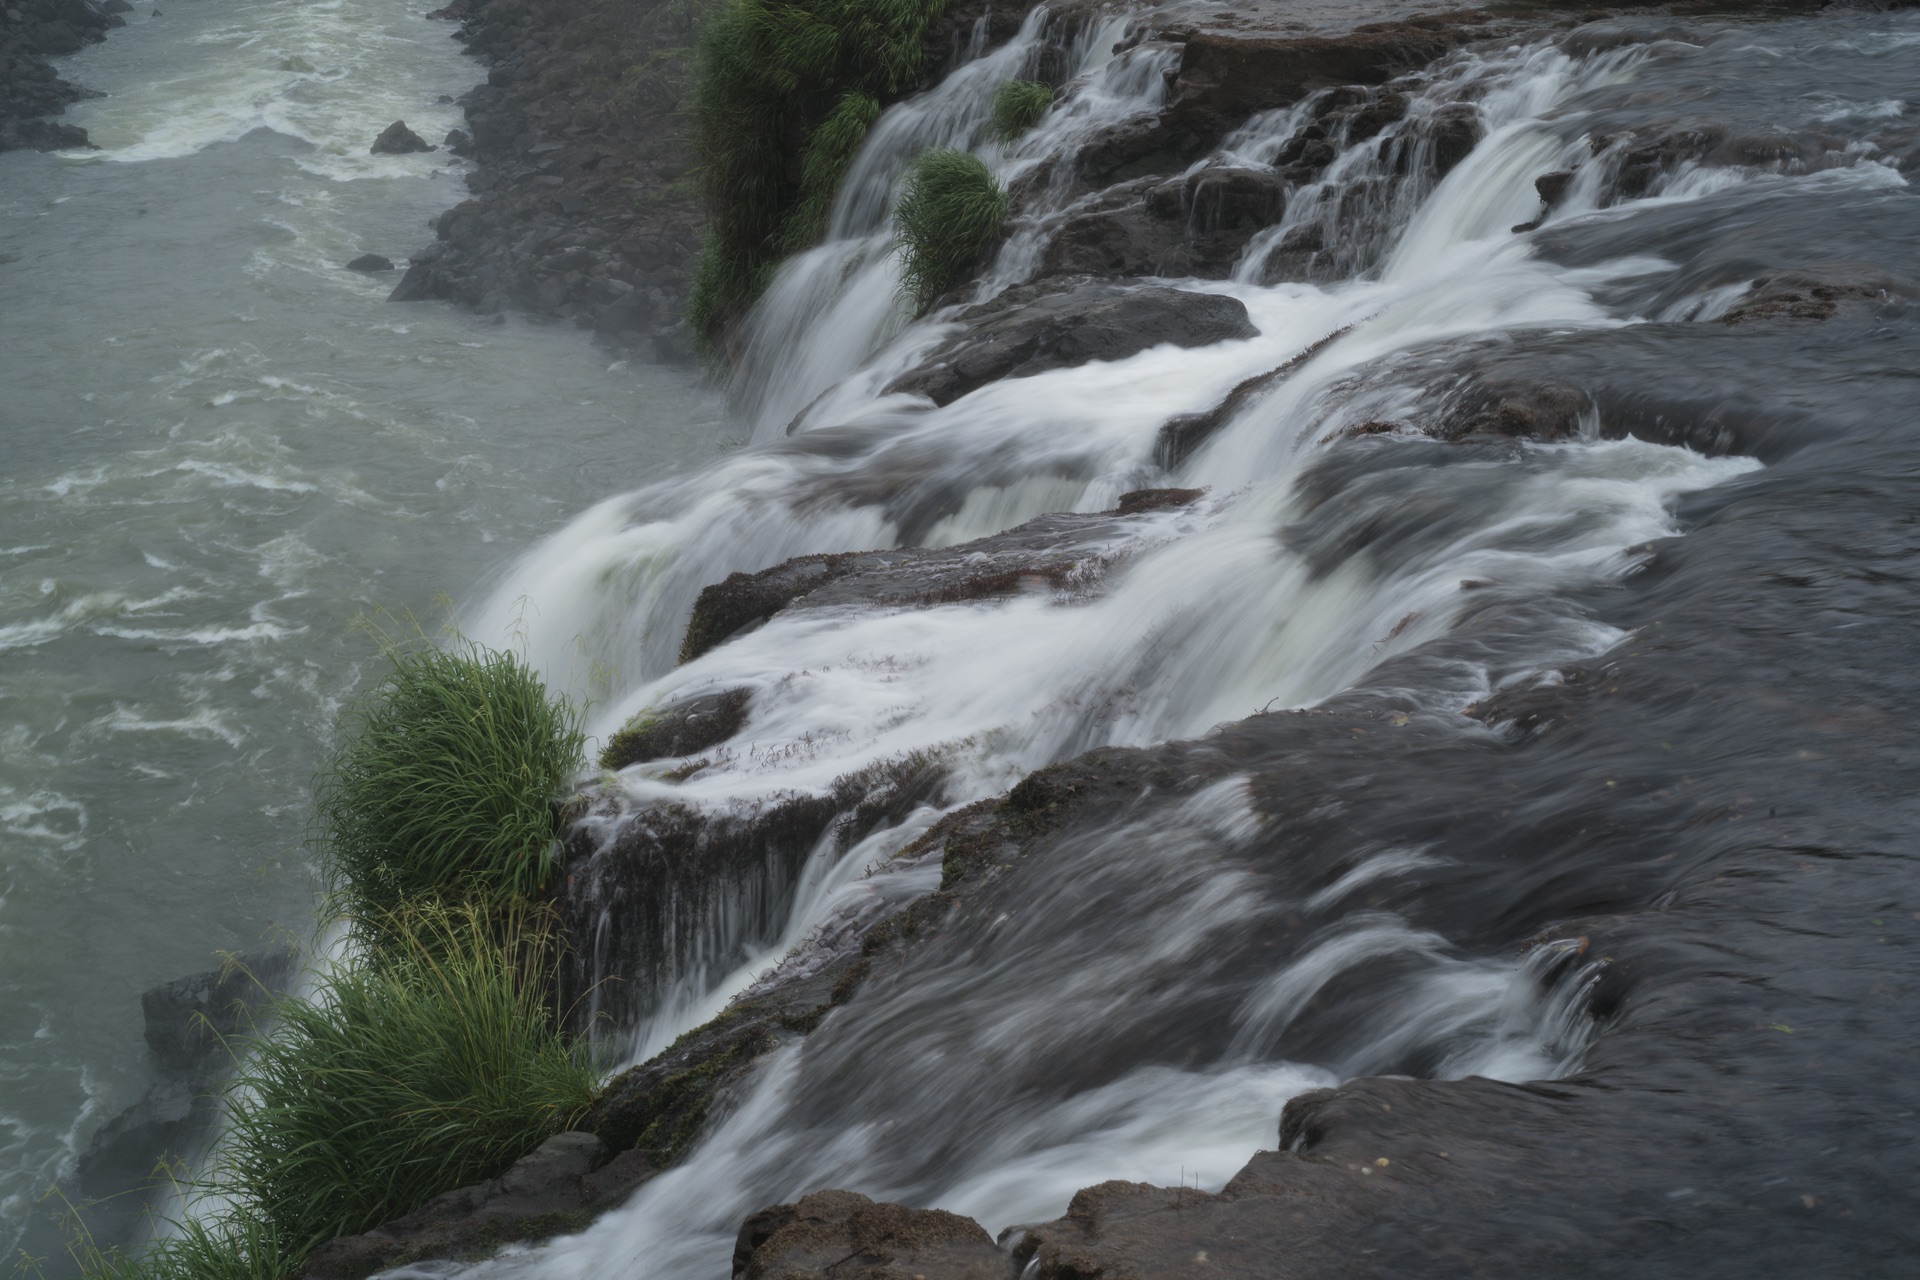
point(222, 452)
point(1119, 1020)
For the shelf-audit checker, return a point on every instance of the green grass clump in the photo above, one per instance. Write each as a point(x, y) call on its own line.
point(1018, 106)
point(239, 1248)
point(444, 785)
point(787, 90)
point(395, 1081)
point(950, 211)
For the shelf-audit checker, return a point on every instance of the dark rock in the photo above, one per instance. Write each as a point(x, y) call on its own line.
point(458, 141)
point(189, 1019)
point(396, 139)
point(842, 1235)
point(31, 32)
point(1196, 225)
point(1180, 437)
point(1533, 410)
point(1552, 186)
point(1806, 295)
point(1028, 331)
point(137, 1146)
point(684, 729)
point(370, 262)
point(556, 1187)
point(116, 6)
point(1156, 500)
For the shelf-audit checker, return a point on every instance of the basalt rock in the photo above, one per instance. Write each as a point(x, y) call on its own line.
point(557, 1187)
point(843, 1235)
point(1058, 551)
point(31, 31)
point(1029, 330)
point(397, 140)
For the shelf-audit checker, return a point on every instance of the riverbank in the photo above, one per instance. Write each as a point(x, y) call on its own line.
point(32, 31)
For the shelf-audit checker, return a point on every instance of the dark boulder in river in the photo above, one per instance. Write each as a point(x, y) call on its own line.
point(396, 139)
point(370, 262)
point(842, 1235)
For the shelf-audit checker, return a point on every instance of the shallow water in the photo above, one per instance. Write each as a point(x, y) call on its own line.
point(223, 454)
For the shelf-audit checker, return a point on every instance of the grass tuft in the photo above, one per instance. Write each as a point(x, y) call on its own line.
point(445, 784)
point(1018, 106)
point(949, 213)
point(395, 1081)
point(787, 91)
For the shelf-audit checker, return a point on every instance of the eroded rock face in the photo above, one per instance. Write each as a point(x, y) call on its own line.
point(842, 1235)
point(1030, 330)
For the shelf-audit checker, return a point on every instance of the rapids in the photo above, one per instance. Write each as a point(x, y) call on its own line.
point(1119, 1019)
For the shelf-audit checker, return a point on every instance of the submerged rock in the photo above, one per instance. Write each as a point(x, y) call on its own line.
point(683, 729)
point(396, 139)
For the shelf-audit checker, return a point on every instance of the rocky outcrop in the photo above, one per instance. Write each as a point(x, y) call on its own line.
point(1058, 551)
point(31, 31)
point(557, 1187)
point(585, 206)
point(398, 140)
point(679, 731)
point(842, 1235)
point(1032, 329)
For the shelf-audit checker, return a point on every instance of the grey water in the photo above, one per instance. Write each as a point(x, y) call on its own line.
point(223, 456)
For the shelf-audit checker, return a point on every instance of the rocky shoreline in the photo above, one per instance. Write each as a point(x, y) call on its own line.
point(32, 31)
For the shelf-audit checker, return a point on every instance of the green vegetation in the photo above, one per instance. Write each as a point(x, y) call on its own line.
point(1018, 106)
point(429, 1057)
point(445, 784)
point(950, 212)
point(787, 91)
point(432, 1069)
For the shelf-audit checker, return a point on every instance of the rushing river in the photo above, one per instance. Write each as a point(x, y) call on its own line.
point(223, 450)
point(223, 453)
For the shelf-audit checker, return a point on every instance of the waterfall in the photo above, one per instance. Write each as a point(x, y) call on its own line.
point(1337, 552)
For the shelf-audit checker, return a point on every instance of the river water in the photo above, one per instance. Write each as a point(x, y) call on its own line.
point(223, 452)
point(220, 476)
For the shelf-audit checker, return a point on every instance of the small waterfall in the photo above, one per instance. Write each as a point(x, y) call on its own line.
point(1341, 551)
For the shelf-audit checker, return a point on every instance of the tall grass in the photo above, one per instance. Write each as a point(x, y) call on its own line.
point(787, 90)
point(395, 1081)
point(445, 783)
point(951, 209)
point(1018, 106)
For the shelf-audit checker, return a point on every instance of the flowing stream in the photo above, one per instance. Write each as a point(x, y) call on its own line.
point(224, 449)
point(996, 1083)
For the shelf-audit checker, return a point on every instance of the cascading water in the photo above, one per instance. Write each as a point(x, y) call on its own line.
point(1124, 1022)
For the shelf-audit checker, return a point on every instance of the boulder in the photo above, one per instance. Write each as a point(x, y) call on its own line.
point(842, 1235)
point(396, 139)
point(370, 262)
point(1030, 330)
point(458, 141)
point(189, 1019)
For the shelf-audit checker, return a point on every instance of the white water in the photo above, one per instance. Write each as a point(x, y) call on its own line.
point(1214, 613)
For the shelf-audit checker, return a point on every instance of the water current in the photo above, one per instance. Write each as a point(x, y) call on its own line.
point(222, 450)
point(1062, 1043)
point(231, 449)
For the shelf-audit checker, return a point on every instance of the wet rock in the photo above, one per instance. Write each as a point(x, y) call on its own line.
point(396, 139)
point(1029, 330)
point(842, 1235)
point(458, 141)
point(557, 1187)
point(1180, 437)
point(1227, 76)
point(189, 1019)
point(32, 32)
point(1531, 410)
point(370, 262)
point(1060, 551)
point(1804, 295)
point(683, 729)
point(1192, 226)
